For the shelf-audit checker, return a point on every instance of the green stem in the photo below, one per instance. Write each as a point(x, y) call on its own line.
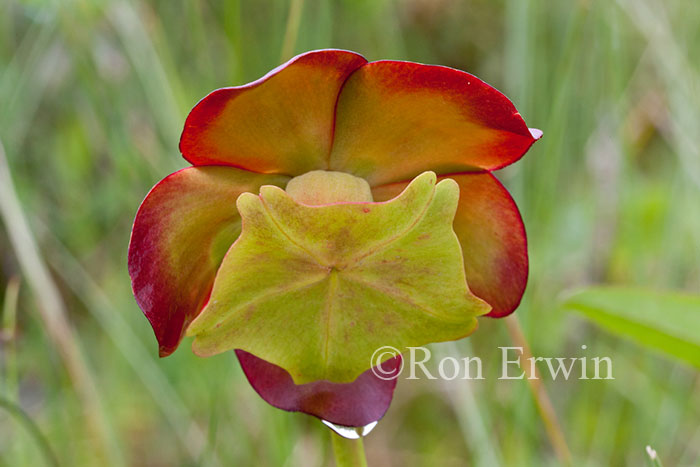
point(348, 452)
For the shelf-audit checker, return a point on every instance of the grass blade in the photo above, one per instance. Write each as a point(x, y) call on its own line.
point(665, 321)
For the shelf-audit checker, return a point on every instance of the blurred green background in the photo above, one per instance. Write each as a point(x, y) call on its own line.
point(93, 96)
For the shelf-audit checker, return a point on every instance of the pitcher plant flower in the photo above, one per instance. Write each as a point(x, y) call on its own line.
point(334, 206)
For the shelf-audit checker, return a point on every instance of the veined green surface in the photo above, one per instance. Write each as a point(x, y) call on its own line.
point(317, 289)
point(93, 96)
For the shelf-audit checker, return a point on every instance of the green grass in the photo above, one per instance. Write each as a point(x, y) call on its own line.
point(93, 95)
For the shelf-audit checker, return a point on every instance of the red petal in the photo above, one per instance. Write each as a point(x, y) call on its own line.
point(281, 123)
point(396, 120)
point(492, 235)
point(359, 403)
point(181, 232)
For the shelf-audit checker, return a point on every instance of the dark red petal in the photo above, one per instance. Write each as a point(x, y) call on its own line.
point(359, 403)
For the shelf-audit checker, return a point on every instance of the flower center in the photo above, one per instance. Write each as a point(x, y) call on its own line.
point(325, 187)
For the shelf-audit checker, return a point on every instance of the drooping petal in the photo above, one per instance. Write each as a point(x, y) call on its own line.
point(281, 123)
point(395, 120)
point(181, 232)
point(359, 403)
point(492, 235)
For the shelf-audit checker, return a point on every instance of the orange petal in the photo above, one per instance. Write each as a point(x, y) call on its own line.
point(397, 119)
point(492, 235)
point(281, 123)
point(182, 231)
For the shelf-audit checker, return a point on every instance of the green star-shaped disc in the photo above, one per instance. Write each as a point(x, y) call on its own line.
point(317, 289)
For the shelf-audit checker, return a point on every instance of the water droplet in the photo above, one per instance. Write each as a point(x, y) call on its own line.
point(369, 427)
point(350, 432)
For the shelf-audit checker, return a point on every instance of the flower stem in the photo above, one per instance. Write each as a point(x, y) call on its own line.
point(348, 452)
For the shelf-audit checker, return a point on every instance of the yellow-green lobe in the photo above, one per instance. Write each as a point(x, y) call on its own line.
point(317, 289)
